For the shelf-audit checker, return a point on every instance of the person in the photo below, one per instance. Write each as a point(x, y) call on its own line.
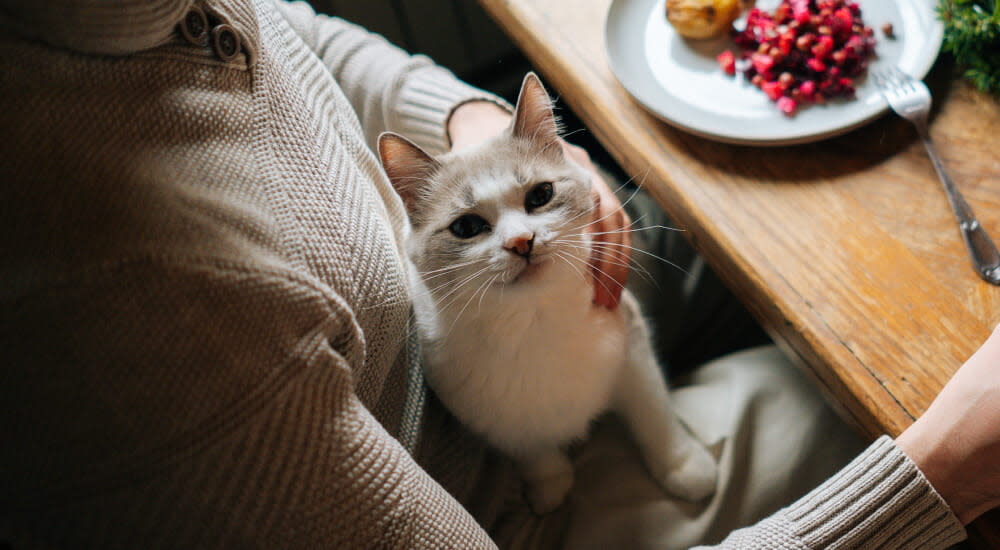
point(206, 334)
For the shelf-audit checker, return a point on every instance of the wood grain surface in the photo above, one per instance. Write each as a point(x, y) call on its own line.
point(846, 250)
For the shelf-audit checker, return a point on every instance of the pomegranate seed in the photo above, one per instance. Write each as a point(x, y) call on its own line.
point(762, 62)
point(727, 61)
point(782, 12)
point(815, 64)
point(772, 89)
point(787, 105)
point(823, 46)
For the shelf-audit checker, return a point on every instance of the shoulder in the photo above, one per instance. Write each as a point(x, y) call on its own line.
point(108, 27)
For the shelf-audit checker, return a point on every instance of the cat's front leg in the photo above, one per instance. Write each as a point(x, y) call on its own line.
point(548, 477)
point(675, 458)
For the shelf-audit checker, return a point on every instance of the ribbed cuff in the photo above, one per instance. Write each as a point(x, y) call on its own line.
point(880, 500)
point(426, 100)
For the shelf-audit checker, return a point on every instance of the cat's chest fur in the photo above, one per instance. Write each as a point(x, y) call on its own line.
point(528, 368)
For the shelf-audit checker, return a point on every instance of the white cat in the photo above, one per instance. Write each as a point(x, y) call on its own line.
point(513, 345)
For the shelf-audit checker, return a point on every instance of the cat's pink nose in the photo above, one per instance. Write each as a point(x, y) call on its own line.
point(520, 245)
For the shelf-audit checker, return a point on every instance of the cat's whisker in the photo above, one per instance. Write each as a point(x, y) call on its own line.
point(585, 232)
point(634, 230)
point(589, 266)
point(452, 266)
point(612, 213)
point(607, 248)
point(611, 258)
point(609, 277)
point(569, 261)
point(619, 188)
point(440, 285)
point(632, 264)
point(641, 251)
point(601, 282)
point(484, 287)
point(479, 306)
point(574, 218)
point(445, 270)
point(597, 252)
point(454, 294)
point(458, 286)
point(631, 179)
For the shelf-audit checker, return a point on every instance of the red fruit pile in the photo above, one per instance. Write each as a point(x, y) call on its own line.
point(806, 51)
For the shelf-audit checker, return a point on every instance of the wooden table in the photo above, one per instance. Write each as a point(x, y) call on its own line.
point(845, 250)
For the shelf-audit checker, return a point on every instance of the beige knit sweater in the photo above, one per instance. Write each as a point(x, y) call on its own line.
point(203, 317)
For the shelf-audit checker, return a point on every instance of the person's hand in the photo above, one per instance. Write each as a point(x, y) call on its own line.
point(956, 443)
point(477, 121)
point(611, 248)
point(474, 122)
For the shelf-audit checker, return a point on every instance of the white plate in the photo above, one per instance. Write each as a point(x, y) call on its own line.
point(680, 81)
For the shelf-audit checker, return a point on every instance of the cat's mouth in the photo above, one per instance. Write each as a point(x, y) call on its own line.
point(531, 270)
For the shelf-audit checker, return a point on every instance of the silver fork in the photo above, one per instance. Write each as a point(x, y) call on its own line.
point(911, 99)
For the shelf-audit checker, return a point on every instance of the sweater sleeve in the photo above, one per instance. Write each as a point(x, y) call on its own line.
point(880, 500)
point(389, 89)
point(201, 405)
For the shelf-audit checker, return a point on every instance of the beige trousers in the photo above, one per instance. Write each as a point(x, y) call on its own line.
point(773, 436)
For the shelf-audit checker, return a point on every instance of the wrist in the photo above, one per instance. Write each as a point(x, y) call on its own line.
point(952, 475)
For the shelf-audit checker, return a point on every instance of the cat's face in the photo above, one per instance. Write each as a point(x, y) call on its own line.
point(504, 216)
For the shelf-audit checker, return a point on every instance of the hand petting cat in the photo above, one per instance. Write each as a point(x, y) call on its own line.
point(610, 262)
point(476, 121)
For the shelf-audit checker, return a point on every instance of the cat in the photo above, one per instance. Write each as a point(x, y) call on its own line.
point(513, 344)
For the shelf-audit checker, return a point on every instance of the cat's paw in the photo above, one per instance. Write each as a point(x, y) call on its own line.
point(690, 474)
point(548, 493)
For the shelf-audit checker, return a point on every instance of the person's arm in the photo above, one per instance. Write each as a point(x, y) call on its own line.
point(918, 491)
point(201, 404)
point(389, 89)
point(956, 443)
point(880, 500)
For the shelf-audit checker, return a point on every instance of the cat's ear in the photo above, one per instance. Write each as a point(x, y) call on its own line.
point(409, 168)
point(533, 117)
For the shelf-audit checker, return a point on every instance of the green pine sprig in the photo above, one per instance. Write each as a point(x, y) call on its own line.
point(972, 35)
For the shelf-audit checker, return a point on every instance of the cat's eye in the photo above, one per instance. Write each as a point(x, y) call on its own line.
point(468, 226)
point(539, 195)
